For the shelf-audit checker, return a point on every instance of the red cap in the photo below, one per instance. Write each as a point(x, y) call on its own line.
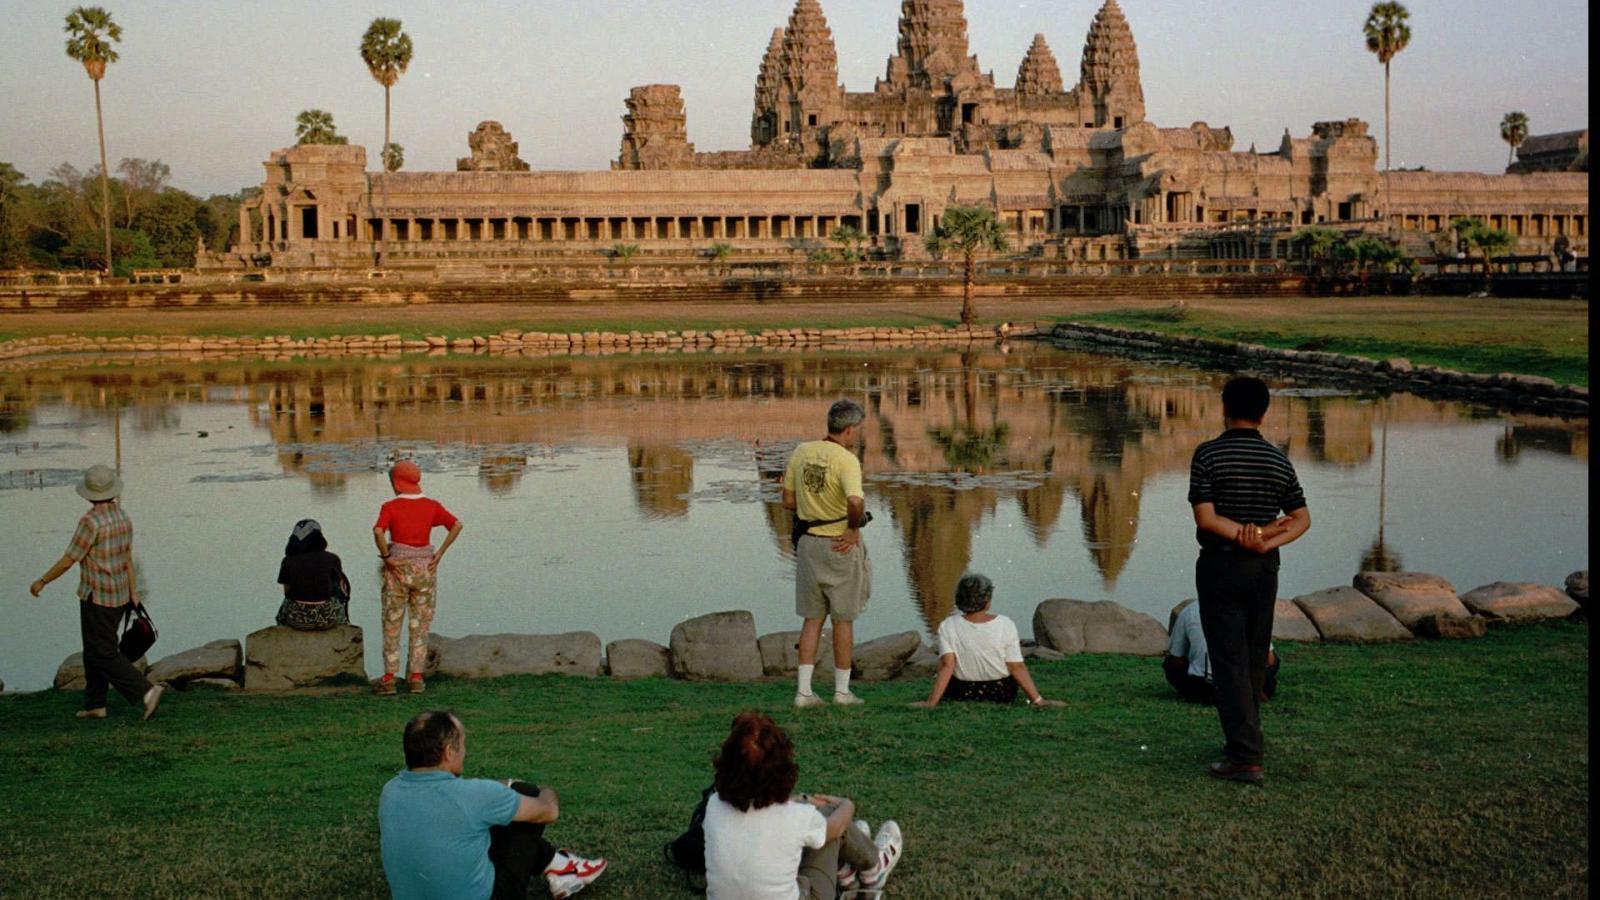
point(406, 477)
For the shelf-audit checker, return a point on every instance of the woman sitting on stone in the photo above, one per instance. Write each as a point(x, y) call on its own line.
point(980, 655)
point(761, 845)
point(316, 594)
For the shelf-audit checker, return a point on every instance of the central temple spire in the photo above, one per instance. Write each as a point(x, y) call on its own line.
point(932, 46)
point(1039, 73)
point(1110, 73)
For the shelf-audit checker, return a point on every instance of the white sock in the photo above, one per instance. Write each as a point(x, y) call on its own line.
point(805, 678)
point(841, 681)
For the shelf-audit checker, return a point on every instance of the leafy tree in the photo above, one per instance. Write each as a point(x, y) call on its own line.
point(1489, 242)
point(1372, 253)
point(142, 180)
point(386, 50)
point(171, 222)
point(1387, 34)
point(132, 248)
point(1514, 130)
point(719, 253)
point(624, 252)
point(1325, 249)
point(849, 238)
point(13, 220)
point(967, 230)
point(90, 36)
point(315, 126)
point(394, 156)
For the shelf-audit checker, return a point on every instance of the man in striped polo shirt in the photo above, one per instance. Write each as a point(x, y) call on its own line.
point(1238, 484)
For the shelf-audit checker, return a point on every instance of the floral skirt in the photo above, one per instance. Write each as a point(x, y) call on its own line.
point(313, 616)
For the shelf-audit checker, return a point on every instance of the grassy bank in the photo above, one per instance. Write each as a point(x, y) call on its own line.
point(1435, 769)
point(1529, 337)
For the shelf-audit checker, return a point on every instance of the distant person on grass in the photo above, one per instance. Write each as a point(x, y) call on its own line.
point(1187, 665)
point(980, 655)
point(102, 548)
point(444, 837)
point(761, 845)
point(410, 571)
point(316, 594)
point(1238, 483)
point(833, 577)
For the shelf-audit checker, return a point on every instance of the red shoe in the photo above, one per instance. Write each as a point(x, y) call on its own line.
point(1232, 771)
point(568, 874)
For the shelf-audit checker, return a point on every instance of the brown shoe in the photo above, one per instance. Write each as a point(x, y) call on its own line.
point(415, 685)
point(98, 712)
point(152, 699)
point(384, 687)
point(1232, 771)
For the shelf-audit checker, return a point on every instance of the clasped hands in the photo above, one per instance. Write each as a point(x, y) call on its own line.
point(1258, 538)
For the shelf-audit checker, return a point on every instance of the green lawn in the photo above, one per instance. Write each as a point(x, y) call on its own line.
point(1426, 770)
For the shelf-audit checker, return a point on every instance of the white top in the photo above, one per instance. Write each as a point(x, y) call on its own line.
point(982, 649)
point(755, 855)
point(1189, 640)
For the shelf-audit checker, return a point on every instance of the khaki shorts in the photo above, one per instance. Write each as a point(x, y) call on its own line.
point(831, 584)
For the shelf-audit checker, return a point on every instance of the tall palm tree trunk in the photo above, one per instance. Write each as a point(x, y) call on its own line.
point(967, 311)
point(383, 155)
point(105, 179)
point(1388, 143)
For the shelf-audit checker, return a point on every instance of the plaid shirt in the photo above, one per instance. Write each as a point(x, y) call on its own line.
point(103, 547)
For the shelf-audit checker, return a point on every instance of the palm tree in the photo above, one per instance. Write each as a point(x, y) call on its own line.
point(1387, 34)
point(849, 238)
point(91, 35)
point(1514, 130)
point(387, 52)
point(967, 230)
point(719, 253)
point(315, 126)
point(1489, 242)
point(394, 156)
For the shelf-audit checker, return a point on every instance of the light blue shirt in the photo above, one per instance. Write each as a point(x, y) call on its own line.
point(434, 833)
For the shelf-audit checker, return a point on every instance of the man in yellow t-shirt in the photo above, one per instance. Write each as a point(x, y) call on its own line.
point(833, 577)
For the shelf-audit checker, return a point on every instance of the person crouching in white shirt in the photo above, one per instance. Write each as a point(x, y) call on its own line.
point(980, 655)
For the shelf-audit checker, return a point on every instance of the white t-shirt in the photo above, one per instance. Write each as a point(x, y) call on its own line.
point(755, 855)
point(982, 649)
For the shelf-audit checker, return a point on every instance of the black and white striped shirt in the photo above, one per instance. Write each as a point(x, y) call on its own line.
point(1246, 478)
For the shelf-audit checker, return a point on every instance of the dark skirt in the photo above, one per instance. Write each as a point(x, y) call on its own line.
point(313, 616)
point(1001, 690)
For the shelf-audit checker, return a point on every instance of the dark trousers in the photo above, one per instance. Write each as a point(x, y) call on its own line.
point(1001, 690)
point(1237, 593)
point(517, 851)
point(103, 664)
point(1195, 689)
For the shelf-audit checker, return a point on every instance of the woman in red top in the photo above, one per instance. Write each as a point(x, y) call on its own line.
point(410, 570)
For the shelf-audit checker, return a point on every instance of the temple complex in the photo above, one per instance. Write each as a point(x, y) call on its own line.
point(1074, 173)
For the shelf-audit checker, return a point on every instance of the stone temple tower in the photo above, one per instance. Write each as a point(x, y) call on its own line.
point(1110, 79)
point(808, 76)
point(764, 121)
point(932, 46)
point(1039, 75)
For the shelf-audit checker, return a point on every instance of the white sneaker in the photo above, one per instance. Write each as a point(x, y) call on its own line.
point(806, 700)
point(568, 874)
point(846, 699)
point(848, 881)
point(890, 842)
point(152, 699)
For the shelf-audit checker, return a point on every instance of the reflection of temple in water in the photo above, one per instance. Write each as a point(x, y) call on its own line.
point(1087, 430)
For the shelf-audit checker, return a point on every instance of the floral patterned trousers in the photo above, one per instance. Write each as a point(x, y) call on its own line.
point(411, 589)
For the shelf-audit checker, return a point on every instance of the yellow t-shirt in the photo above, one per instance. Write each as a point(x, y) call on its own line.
point(822, 474)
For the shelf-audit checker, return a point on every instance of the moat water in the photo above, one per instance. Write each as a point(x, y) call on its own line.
point(623, 494)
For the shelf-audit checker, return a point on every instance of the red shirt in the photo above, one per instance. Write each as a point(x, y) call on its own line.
point(409, 520)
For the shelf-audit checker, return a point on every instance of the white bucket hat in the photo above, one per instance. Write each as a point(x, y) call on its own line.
point(99, 483)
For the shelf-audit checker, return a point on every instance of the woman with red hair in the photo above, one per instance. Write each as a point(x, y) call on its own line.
point(762, 845)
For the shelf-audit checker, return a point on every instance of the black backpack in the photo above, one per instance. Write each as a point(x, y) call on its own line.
point(687, 851)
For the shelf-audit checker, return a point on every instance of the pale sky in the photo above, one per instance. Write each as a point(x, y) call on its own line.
point(210, 87)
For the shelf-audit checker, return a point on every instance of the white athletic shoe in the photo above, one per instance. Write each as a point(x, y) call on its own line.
point(890, 842)
point(846, 699)
point(568, 874)
point(804, 701)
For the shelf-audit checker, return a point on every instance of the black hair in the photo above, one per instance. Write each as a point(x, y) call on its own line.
point(313, 542)
point(1245, 398)
point(428, 735)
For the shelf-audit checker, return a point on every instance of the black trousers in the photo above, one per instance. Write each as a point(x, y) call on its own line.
point(1195, 689)
point(1237, 593)
point(1001, 690)
point(103, 664)
point(517, 851)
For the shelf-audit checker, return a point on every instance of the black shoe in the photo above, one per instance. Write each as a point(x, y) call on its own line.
point(1232, 771)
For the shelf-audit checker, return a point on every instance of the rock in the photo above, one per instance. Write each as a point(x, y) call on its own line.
point(1450, 627)
point(281, 659)
point(780, 653)
point(494, 655)
point(1290, 623)
point(218, 659)
point(634, 658)
point(719, 646)
point(1578, 587)
point(69, 675)
point(1042, 654)
point(1100, 626)
point(923, 664)
point(1519, 600)
point(880, 659)
point(1408, 596)
point(1346, 614)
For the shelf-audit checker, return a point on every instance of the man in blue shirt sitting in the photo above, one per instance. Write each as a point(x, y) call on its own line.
point(446, 837)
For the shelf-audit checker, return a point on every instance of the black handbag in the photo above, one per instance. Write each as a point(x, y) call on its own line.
point(138, 633)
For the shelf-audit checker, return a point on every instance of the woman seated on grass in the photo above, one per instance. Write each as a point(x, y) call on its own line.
point(316, 594)
point(761, 845)
point(980, 656)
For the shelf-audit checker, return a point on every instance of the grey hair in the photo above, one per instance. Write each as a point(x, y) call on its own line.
point(973, 592)
point(844, 413)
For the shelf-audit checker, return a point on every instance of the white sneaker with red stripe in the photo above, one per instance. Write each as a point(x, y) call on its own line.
point(890, 842)
point(568, 874)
